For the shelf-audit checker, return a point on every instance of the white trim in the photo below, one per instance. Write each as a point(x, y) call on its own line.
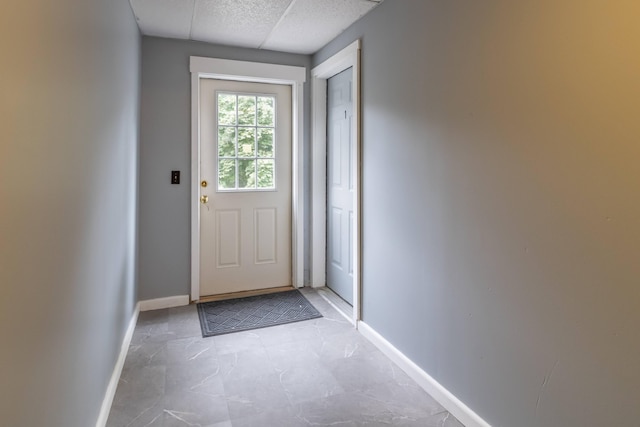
point(195, 186)
point(451, 403)
point(349, 57)
point(167, 302)
point(259, 72)
point(318, 182)
point(335, 307)
point(117, 370)
point(297, 179)
point(224, 69)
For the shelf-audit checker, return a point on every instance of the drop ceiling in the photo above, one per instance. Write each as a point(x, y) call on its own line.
point(297, 26)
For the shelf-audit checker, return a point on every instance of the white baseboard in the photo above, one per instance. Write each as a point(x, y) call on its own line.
point(117, 370)
point(455, 406)
point(168, 302)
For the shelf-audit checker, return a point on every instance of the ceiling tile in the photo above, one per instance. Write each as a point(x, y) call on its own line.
point(164, 18)
point(239, 23)
point(311, 24)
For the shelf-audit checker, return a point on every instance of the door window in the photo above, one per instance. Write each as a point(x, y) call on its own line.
point(246, 141)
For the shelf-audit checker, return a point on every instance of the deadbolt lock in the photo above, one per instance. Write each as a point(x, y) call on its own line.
point(204, 184)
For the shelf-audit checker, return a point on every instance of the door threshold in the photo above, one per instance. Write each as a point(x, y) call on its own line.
point(243, 294)
point(336, 302)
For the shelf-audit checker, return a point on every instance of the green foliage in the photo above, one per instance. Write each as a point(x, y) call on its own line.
point(246, 142)
point(247, 173)
point(266, 108)
point(226, 141)
point(265, 173)
point(246, 110)
point(265, 142)
point(226, 109)
point(226, 174)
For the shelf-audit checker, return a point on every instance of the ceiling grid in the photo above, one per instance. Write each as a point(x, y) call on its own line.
point(296, 26)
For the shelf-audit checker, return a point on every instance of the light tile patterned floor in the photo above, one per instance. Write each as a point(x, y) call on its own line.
point(318, 372)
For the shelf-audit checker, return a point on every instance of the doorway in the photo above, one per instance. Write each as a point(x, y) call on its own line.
point(264, 218)
point(347, 59)
point(245, 186)
point(339, 258)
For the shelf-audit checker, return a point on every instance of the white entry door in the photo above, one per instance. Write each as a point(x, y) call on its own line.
point(245, 186)
point(340, 221)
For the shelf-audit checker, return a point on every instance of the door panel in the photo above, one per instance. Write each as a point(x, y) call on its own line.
point(228, 238)
point(336, 237)
point(340, 185)
point(245, 159)
point(266, 236)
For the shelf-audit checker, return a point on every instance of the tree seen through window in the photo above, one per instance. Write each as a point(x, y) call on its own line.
point(246, 141)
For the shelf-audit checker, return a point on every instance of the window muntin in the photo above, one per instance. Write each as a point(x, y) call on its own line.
point(246, 141)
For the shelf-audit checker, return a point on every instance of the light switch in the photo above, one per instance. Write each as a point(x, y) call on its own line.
point(175, 177)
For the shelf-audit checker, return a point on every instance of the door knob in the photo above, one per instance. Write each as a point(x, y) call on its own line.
point(204, 199)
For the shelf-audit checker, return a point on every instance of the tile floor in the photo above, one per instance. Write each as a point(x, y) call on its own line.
point(318, 372)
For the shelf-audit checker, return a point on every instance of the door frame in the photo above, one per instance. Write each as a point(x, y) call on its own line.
point(254, 72)
point(349, 57)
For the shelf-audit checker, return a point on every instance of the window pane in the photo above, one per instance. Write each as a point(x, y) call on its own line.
point(265, 110)
point(226, 109)
point(247, 173)
point(247, 110)
point(265, 174)
point(265, 142)
point(246, 142)
point(226, 141)
point(226, 174)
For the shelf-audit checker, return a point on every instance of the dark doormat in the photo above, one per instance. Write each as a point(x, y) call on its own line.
point(260, 311)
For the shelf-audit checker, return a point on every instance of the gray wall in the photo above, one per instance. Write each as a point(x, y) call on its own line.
point(501, 217)
point(69, 85)
point(165, 214)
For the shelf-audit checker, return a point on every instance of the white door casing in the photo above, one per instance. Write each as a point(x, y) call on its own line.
point(245, 233)
point(349, 57)
point(222, 69)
